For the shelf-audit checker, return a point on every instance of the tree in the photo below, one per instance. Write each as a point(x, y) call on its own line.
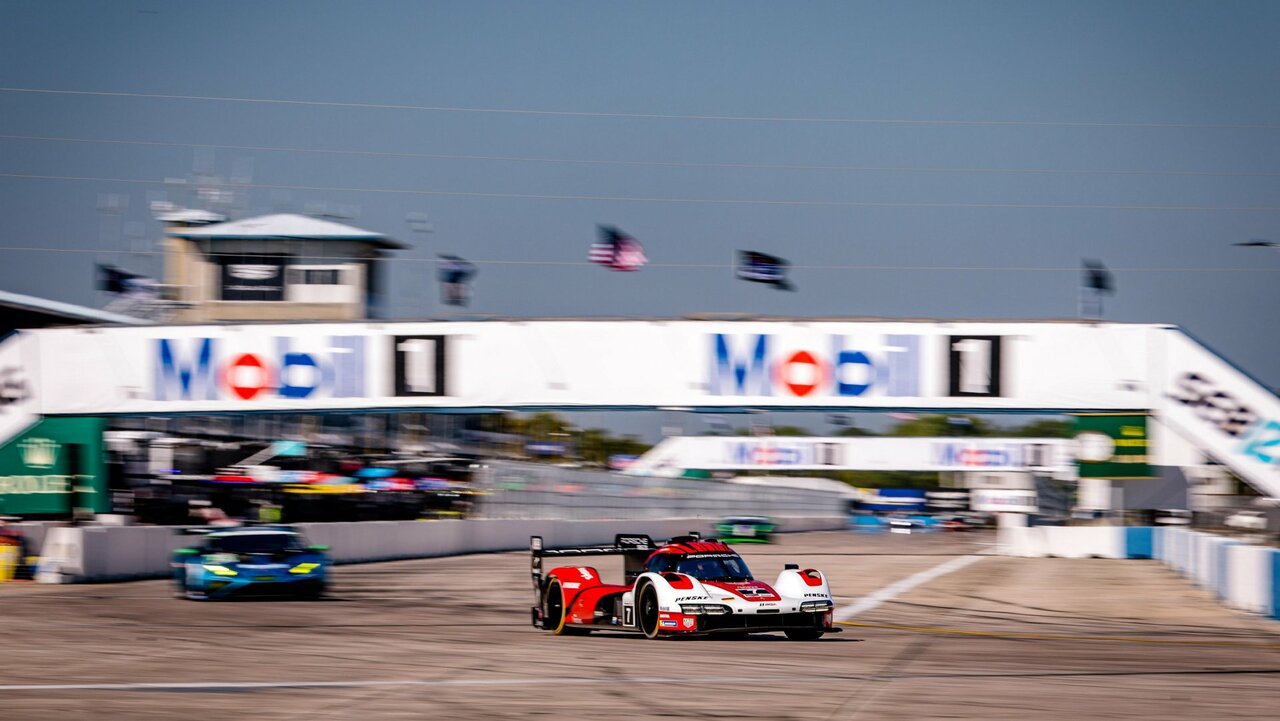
point(790, 431)
point(543, 425)
point(1043, 428)
point(853, 432)
point(940, 425)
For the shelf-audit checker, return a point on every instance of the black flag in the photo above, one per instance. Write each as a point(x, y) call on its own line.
point(1095, 276)
point(455, 277)
point(1095, 282)
point(123, 282)
point(763, 268)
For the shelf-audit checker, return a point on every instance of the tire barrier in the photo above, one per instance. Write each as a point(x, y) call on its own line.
point(1241, 575)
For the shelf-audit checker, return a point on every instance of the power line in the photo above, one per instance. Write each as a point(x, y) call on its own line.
point(696, 266)
point(646, 163)
point(678, 200)
point(647, 116)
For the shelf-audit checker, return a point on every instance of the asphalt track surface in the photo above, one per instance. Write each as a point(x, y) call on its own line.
point(989, 638)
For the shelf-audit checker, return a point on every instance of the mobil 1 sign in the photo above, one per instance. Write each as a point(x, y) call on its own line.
point(973, 365)
point(573, 364)
point(420, 365)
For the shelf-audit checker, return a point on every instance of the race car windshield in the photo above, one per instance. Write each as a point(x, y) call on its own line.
point(715, 569)
point(255, 543)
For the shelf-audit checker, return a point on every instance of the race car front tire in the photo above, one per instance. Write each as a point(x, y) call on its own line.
point(311, 591)
point(647, 610)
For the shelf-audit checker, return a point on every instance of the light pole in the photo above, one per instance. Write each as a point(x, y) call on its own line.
point(421, 224)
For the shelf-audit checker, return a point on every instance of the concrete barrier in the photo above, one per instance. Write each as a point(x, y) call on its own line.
point(1247, 580)
point(1063, 541)
point(1244, 576)
point(117, 553)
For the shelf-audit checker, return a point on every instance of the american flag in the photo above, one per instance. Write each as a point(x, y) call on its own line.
point(617, 250)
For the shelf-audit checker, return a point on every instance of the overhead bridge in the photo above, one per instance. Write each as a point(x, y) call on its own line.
point(698, 365)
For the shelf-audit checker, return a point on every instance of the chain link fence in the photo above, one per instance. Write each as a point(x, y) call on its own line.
point(515, 490)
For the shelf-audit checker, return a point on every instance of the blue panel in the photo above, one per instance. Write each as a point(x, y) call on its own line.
point(1275, 584)
point(1138, 542)
point(867, 523)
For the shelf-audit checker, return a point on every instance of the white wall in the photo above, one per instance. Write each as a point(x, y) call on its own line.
point(114, 553)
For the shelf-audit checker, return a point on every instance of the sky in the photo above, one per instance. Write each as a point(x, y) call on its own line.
point(911, 159)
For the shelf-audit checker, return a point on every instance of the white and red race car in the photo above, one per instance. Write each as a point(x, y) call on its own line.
point(686, 587)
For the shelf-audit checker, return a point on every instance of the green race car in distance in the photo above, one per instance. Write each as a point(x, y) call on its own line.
point(746, 529)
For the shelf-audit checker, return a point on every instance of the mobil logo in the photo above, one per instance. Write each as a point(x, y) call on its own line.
point(208, 369)
point(974, 455)
point(769, 453)
point(830, 365)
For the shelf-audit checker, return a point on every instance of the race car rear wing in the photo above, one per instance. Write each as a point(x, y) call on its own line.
point(633, 547)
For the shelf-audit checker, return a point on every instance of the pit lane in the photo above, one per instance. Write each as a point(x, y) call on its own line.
point(449, 638)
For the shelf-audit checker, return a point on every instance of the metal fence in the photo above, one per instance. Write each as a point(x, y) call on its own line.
point(515, 490)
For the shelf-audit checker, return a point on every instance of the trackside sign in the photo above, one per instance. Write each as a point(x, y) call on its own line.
point(633, 364)
point(830, 365)
point(212, 368)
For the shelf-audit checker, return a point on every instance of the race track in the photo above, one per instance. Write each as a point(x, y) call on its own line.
point(937, 629)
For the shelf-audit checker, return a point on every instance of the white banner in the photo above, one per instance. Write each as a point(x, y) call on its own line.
point(674, 455)
point(601, 364)
point(990, 500)
point(18, 401)
point(700, 365)
point(1222, 410)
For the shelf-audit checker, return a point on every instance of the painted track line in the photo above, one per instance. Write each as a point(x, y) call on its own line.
point(899, 587)
point(1018, 635)
point(508, 681)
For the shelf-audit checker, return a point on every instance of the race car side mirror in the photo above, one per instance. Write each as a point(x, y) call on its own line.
point(791, 567)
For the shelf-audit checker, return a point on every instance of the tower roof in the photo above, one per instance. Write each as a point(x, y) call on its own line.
point(286, 226)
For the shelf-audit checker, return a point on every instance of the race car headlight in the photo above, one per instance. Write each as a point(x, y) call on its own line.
point(816, 606)
point(218, 570)
point(713, 609)
point(304, 568)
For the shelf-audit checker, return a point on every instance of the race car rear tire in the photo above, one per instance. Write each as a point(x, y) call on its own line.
point(311, 591)
point(804, 634)
point(647, 610)
point(554, 617)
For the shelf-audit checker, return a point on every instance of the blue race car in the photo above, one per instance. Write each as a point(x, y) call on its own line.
point(251, 560)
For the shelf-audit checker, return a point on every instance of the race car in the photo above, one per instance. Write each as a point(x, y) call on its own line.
point(686, 587)
point(750, 529)
point(250, 560)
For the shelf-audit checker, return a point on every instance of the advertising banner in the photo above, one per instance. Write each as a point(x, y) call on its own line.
point(672, 455)
point(1220, 409)
point(595, 364)
point(53, 468)
point(1114, 446)
point(991, 500)
point(252, 277)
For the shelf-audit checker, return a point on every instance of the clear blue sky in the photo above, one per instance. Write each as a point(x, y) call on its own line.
point(1134, 105)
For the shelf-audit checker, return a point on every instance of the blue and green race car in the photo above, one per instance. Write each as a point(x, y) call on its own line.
point(751, 529)
point(250, 560)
